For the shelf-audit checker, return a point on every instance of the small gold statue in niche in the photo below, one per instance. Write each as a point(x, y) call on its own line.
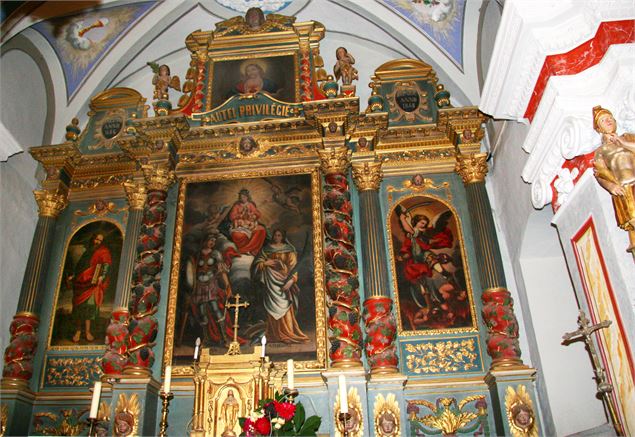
point(163, 80)
point(615, 169)
point(229, 412)
point(343, 68)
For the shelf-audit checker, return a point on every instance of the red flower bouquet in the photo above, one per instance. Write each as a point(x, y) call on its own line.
point(279, 417)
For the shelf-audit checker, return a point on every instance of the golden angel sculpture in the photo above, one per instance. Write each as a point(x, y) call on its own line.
point(614, 167)
point(163, 80)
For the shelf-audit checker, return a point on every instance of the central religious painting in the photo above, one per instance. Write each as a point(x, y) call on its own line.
point(257, 237)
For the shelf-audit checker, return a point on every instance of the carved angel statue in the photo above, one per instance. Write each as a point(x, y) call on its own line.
point(343, 68)
point(162, 80)
point(614, 169)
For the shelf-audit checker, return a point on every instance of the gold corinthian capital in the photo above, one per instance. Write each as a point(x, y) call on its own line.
point(367, 175)
point(472, 168)
point(334, 159)
point(136, 194)
point(50, 204)
point(158, 178)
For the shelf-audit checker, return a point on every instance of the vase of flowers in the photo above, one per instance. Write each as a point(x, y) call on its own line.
point(280, 416)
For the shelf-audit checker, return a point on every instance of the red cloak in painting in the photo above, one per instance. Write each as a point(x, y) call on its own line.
point(418, 265)
point(86, 284)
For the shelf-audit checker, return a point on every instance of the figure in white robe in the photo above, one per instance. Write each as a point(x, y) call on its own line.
point(274, 268)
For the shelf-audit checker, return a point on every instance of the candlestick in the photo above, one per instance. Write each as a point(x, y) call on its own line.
point(94, 405)
point(291, 393)
point(197, 346)
point(165, 398)
point(343, 396)
point(167, 382)
point(263, 342)
point(290, 379)
point(91, 426)
point(344, 418)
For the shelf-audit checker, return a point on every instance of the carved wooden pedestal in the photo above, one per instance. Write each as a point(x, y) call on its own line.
point(227, 387)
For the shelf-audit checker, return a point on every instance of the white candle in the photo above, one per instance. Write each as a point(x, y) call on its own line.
point(94, 405)
point(343, 396)
point(290, 382)
point(196, 347)
point(167, 382)
point(263, 341)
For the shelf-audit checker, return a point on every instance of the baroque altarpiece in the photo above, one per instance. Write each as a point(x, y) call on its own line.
point(263, 199)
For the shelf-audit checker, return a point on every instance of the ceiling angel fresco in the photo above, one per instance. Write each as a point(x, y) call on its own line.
point(441, 21)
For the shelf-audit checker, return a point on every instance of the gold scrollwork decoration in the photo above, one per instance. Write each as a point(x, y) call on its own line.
point(418, 184)
point(520, 412)
point(76, 372)
point(100, 208)
point(471, 168)
point(334, 159)
point(458, 355)
point(386, 414)
point(367, 175)
point(355, 425)
point(451, 417)
point(127, 415)
point(67, 422)
point(50, 204)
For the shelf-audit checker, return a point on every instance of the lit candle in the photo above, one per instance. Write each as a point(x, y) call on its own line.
point(343, 397)
point(94, 405)
point(263, 341)
point(290, 382)
point(167, 382)
point(197, 347)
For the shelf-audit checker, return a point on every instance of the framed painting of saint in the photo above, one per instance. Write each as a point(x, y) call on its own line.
point(275, 75)
point(429, 267)
point(86, 287)
point(257, 238)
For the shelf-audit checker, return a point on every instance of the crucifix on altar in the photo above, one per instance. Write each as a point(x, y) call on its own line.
point(603, 386)
point(234, 346)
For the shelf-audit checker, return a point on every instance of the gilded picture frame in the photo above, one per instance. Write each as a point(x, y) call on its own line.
point(275, 73)
point(442, 302)
point(212, 256)
point(68, 286)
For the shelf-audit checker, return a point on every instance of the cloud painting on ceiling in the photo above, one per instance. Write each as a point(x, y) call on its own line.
point(81, 40)
point(441, 21)
point(267, 6)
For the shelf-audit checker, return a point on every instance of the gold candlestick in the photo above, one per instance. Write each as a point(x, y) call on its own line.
point(92, 421)
point(166, 398)
point(291, 393)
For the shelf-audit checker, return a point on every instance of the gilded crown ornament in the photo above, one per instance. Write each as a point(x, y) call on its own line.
point(471, 168)
point(368, 175)
point(334, 159)
point(50, 204)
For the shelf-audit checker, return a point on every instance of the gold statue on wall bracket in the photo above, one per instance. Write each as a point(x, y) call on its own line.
point(614, 167)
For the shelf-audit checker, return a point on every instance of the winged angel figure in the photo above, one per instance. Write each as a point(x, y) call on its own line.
point(162, 80)
point(430, 270)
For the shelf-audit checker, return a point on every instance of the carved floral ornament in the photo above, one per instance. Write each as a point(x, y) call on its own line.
point(471, 168)
point(368, 175)
point(334, 159)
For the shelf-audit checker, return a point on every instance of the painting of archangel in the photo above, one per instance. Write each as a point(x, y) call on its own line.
point(253, 238)
point(429, 266)
point(87, 285)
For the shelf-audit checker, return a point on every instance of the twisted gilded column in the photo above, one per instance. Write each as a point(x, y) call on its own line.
point(379, 321)
point(498, 309)
point(18, 356)
point(146, 274)
point(116, 354)
point(340, 258)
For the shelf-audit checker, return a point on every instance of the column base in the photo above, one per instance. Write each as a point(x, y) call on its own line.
point(136, 371)
point(140, 397)
point(347, 364)
point(357, 396)
point(18, 400)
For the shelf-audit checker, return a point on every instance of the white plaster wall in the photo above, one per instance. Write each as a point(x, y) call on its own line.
point(491, 17)
point(551, 302)
point(24, 87)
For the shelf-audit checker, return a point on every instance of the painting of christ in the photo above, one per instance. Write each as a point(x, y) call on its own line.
point(253, 238)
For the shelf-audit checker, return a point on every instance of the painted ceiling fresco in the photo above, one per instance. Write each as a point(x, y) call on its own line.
point(81, 40)
point(441, 21)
